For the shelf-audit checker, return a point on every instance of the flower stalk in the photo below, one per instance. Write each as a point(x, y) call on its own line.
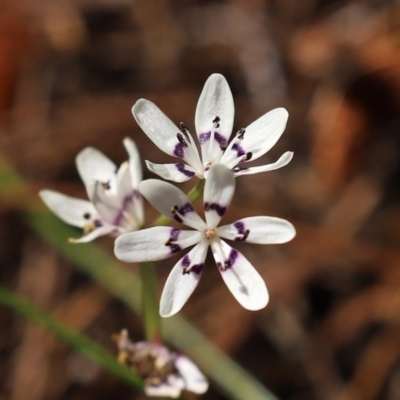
point(151, 317)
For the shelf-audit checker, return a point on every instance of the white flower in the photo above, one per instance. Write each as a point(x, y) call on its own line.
point(115, 205)
point(214, 122)
point(165, 373)
point(157, 243)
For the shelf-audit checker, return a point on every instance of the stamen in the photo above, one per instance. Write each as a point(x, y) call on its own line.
point(209, 233)
point(185, 130)
point(216, 121)
point(248, 156)
point(106, 185)
point(223, 146)
point(240, 133)
point(181, 139)
point(86, 215)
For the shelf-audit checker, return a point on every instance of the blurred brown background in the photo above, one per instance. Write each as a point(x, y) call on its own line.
point(70, 70)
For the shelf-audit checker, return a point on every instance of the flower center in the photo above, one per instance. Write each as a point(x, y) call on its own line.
point(209, 233)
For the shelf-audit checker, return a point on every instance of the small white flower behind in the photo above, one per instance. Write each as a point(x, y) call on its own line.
point(115, 205)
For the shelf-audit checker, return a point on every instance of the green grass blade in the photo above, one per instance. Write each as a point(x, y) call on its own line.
point(78, 341)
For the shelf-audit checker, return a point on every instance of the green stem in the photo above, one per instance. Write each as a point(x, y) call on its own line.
point(148, 279)
point(78, 341)
point(149, 295)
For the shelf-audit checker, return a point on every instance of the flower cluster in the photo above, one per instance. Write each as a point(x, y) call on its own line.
point(164, 372)
point(115, 208)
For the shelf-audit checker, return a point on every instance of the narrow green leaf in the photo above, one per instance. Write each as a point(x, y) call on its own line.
point(79, 341)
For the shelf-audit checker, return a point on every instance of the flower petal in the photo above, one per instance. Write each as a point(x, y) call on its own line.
point(182, 280)
point(170, 389)
point(94, 234)
point(106, 203)
point(93, 165)
point(244, 282)
point(130, 213)
point(283, 160)
point(262, 230)
point(171, 201)
point(165, 134)
point(258, 138)
point(214, 117)
point(172, 172)
point(218, 192)
point(135, 165)
point(73, 211)
point(195, 381)
point(153, 244)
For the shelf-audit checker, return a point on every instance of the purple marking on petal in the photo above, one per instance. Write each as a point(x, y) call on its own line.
point(220, 139)
point(220, 210)
point(197, 268)
point(175, 248)
point(233, 255)
point(97, 223)
point(178, 151)
point(182, 170)
point(239, 150)
point(240, 227)
point(174, 234)
point(203, 137)
point(125, 203)
point(186, 208)
point(185, 261)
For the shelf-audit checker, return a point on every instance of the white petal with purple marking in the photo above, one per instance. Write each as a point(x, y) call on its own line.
point(172, 172)
point(165, 134)
point(214, 117)
point(261, 230)
point(73, 211)
point(281, 162)
point(195, 381)
point(242, 279)
point(182, 280)
point(258, 138)
point(218, 192)
point(93, 165)
point(153, 244)
point(171, 201)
